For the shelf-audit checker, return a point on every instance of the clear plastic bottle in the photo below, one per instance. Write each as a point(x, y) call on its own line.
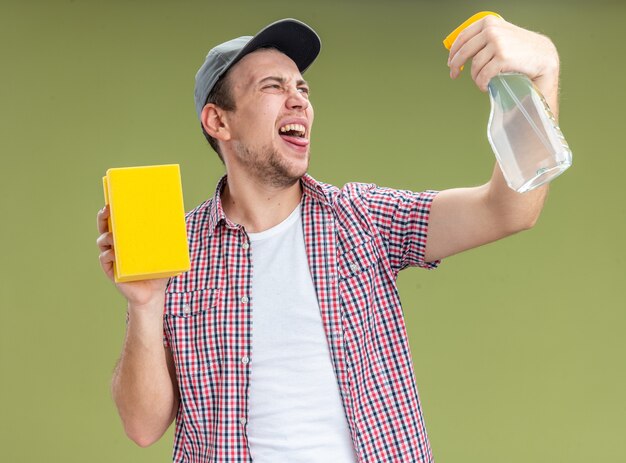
point(522, 130)
point(523, 133)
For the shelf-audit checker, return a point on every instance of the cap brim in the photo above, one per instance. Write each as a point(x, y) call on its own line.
point(289, 36)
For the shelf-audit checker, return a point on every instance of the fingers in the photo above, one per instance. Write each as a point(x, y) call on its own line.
point(467, 34)
point(107, 260)
point(486, 73)
point(102, 219)
point(480, 42)
point(469, 49)
point(105, 241)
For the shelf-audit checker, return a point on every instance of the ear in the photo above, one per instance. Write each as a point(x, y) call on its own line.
point(215, 122)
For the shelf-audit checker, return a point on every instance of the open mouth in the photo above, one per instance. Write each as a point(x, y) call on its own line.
point(294, 134)
point(293, 130)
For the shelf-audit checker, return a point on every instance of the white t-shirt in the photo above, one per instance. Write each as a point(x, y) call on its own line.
point(295, 412)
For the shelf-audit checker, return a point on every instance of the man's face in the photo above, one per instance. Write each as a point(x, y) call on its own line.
point(271, 125)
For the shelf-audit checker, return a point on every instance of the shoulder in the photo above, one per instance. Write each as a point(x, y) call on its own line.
point(334, 195)
point(354, 190)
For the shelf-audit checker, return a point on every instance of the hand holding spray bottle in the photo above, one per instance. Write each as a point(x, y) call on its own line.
point(522, 130)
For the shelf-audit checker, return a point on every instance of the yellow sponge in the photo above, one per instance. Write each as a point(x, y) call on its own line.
point(148, 222)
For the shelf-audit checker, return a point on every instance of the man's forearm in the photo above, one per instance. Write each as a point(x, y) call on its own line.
point(143, 386)
point(513, 211)
point(521, 211)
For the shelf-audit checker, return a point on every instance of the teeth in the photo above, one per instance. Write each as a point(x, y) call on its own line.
point(293, 127)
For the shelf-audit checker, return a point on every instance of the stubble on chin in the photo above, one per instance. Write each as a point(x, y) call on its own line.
point(266, 165)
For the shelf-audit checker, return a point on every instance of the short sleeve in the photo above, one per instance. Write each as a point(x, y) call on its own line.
point(166, 340)
point(401, 217)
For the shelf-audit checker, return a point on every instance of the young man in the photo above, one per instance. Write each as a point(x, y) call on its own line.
point(285, 341)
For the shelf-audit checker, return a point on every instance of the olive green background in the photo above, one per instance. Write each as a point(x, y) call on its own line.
point(518, 346)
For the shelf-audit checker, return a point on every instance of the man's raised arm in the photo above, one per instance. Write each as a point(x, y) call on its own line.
point(464, 218)
point(144, 383)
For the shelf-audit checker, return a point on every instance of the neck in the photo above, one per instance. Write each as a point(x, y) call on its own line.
point(258, 206)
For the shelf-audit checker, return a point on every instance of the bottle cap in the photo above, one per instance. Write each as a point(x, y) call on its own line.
point(449, 40)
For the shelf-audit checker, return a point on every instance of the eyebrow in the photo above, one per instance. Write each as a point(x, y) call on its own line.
point(282, 80)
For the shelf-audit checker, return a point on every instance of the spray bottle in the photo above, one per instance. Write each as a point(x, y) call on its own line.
point(522, 130)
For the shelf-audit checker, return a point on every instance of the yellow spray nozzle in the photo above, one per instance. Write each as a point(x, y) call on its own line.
point(449, 40)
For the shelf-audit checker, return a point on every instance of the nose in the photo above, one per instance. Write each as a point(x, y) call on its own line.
point(297, 100)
